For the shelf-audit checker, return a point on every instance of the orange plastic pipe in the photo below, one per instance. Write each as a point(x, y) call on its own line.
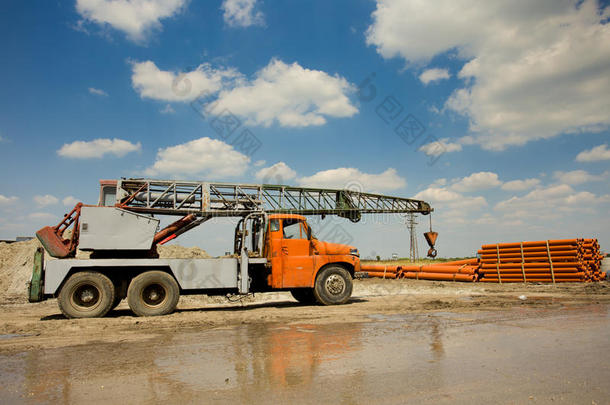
point(439, 268)
point(528, 265)
point(540, 270)
point(438, 276)
point(535, 275)
point(527, 249)
point(533, 280)
point(530, 244)
point(443, 271)
point(381, 275)
point(531, 254)
point(379, 267)
point(458, 262)
point(530, 259)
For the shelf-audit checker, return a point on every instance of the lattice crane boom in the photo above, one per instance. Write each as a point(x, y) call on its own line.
point(208, 199)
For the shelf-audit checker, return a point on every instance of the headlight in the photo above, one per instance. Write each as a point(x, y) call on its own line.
point(354, 252)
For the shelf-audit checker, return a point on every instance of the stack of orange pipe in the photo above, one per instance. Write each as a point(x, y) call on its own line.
point(565, 260)
point(458, 270)
point(592, 258)
point(380, 270)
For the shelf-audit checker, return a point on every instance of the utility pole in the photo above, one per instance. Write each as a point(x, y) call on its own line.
point(413, 251)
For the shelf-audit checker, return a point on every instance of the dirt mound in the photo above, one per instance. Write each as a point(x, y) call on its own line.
point(17, 260)
point(180, 252)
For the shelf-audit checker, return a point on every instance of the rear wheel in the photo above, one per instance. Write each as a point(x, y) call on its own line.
point(86, 294)
point(303, 295)
point(153, 293)
point(333, 286)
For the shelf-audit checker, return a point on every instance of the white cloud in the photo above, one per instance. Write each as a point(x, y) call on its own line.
point(439, 182)
point(70, 201)
point(97, 92)
point(477, 181)
point(98, 148)
point(151, 82)
point(241, 13)
point(520, 185)
point(595, 154)
point(438, 194)
point(433, 75)
point(41, 216)
point(278, 173)
point(259, 163)
point(533, 70)
point(290, 95)
point(550, 202)
point(470, 203)
point(576, 177)
point(44, 200)
point(451, 206)
point(4, 200)
point(167, 109)
point(353, 179)
point(137, 18)
point(206, 157)
point(486, 219)
point(440, 146)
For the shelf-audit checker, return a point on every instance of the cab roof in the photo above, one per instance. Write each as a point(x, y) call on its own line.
point(287, 216)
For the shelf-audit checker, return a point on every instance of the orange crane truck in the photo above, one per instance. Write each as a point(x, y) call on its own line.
point(274, 246)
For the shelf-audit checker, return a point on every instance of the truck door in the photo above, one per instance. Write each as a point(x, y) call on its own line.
point(297, 260)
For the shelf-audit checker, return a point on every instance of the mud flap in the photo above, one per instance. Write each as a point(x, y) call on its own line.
point(36, 286)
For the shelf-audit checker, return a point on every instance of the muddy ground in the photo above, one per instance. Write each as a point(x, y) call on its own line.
point(395, 342)
point(25, 326)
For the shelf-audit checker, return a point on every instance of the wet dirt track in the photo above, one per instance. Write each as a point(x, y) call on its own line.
point(432, 346)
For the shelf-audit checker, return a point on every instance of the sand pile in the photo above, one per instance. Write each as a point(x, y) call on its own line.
point(180, 252)
point(17, 260)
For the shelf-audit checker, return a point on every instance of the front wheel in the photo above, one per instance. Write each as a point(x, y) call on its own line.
point(153, 293)
point(333, 286)
point(86, 294)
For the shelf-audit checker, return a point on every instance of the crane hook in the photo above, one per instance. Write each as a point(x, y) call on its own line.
point(431, 239)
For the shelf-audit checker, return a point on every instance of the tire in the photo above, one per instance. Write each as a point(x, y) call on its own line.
point(86, 294)
point(303, 295)
point(153, 293)
point(333, 286)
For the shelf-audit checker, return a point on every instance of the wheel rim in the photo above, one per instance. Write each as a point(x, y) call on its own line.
point(154, 295)
point(86, 296)
point(335, 284)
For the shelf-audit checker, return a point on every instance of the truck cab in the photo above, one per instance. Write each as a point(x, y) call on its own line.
point(296, 255)
point(295, 260)
point(299, 260)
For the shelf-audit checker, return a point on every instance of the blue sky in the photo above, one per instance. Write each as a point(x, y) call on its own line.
point(513, 100)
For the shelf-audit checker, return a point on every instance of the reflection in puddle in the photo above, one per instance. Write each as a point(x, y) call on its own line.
point(392, 356)
point(12, 336)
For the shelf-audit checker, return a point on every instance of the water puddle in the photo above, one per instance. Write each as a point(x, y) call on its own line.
point(428, 358)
